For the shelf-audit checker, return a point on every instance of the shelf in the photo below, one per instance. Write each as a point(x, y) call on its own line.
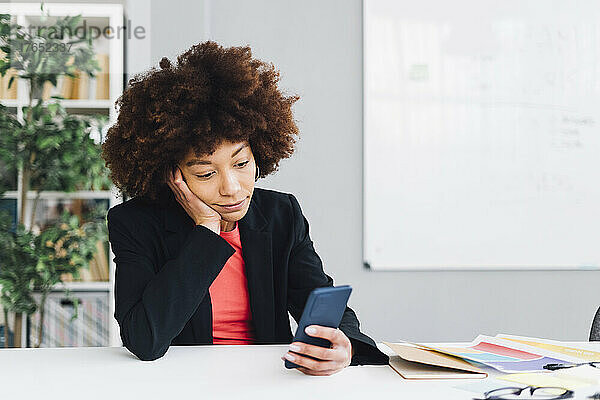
point(113, 11)
point(67, 103)
point(82, 194)
point(101, 16)
point(84, 286)
point(9, 102)
point(36, 20)
point(81, 103)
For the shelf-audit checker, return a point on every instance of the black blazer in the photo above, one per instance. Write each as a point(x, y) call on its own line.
point(166, 263)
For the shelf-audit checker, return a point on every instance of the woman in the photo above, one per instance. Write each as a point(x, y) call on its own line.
point(202, 255)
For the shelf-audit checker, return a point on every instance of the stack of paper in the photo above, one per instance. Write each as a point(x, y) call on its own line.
point(568, 378)
point(503, 355)
point(523, 356)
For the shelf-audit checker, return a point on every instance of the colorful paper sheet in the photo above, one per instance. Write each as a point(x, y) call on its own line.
point(555, 347)
point(498, 354)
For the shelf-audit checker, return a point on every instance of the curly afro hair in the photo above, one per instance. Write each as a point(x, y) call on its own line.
point(213, 94)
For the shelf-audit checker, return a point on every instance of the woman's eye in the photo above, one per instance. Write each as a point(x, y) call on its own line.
point(239, 165)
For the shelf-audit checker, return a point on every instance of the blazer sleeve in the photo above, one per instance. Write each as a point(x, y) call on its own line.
point(154, 302)
point(305, 274)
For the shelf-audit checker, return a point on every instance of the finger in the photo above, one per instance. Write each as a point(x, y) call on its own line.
point(171, 183)
point(335, 336)
point(174, 188)
point(315, 365)
point(171, 179)
point(178, 175)
point(180, 183)
point(185, 189)
point(318, 373)
point(319, 352)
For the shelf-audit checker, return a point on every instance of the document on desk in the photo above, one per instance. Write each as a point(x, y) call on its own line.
point(503, 355)
point(554, 348)
point(569, 378)
point(413, 362)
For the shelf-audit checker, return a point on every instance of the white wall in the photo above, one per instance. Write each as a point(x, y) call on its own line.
point(317, 46)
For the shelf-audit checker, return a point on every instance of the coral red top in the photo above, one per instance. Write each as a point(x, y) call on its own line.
point(232, 319)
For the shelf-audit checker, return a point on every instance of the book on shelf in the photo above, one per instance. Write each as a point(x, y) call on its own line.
point(102, 77)
point(75, 83)
point(82, 86)
point(99, 265)
point(10, 337)
point(47, 90)
point(97, 271)
point(66, 87)
point(5, 92)
point(91, 328)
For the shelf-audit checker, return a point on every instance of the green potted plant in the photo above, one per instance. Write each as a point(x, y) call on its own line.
point(49, 149)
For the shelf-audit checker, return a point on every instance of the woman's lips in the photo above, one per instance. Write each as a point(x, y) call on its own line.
point(234, 207)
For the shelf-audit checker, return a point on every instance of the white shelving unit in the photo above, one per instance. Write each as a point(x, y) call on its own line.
point(95, 15)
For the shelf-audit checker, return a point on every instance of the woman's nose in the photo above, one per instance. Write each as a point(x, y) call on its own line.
point(229, 184)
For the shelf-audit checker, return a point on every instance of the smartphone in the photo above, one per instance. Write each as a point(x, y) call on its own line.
point(325, 306)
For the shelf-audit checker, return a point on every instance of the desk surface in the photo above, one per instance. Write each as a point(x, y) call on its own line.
point(241, 372)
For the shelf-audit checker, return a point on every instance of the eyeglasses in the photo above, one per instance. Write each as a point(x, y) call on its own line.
point(516, 393)
point(554, 367)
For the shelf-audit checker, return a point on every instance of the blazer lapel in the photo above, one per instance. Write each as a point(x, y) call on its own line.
point(258, 258)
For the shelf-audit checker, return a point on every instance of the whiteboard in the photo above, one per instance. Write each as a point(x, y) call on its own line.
point(481, 134)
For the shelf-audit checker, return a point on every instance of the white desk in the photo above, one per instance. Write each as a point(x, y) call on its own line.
point(199, 372)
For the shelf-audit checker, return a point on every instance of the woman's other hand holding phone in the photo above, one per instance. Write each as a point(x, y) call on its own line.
point(199, 211)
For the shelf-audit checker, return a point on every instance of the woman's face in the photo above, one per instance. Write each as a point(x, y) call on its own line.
point(222, 178)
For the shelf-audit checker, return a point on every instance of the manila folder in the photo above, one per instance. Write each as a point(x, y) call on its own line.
point(413, 362)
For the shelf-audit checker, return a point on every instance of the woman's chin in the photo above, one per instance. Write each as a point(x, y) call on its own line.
point(233, 217)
